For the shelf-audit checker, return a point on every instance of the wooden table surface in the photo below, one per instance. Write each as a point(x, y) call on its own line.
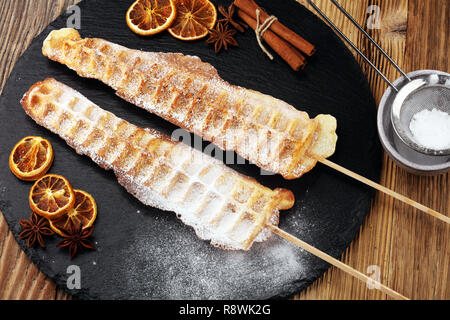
point(412, 250)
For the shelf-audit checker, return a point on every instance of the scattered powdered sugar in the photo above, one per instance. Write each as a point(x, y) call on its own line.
point(431, 129)
point(176, 267)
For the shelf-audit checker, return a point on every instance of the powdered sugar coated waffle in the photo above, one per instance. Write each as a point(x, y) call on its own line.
point(222, 205)
point(189, 93)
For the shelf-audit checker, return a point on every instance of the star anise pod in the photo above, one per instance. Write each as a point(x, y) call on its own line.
point(228, 15)
point(76, 239)
point(222, 37)
point(34, 229)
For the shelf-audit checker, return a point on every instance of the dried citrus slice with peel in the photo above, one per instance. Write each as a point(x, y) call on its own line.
point(51, 196)
point(82, 214)
point(31, 158)
point(147, 17)
point(194, 19)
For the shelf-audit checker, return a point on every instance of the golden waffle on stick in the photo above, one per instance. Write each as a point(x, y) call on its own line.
point(189, 93)
point(223, 206)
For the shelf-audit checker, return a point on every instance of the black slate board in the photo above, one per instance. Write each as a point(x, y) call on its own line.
point(145, 253)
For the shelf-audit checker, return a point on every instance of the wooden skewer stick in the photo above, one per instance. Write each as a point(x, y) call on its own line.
point(385, 190)
point(342, 266)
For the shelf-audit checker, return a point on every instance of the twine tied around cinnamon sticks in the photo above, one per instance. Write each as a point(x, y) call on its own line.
point(281, 39)
point(261, 29)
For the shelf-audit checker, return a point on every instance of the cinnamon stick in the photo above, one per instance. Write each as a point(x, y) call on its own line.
point(250, 6)
point(289, 54)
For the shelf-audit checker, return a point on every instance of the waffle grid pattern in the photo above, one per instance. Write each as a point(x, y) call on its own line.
point(223, 206)
point(183, 90)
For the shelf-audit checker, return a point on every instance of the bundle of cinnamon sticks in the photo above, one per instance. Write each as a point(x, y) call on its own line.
point(280, 38)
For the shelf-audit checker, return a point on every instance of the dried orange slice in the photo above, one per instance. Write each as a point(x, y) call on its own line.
point(82, 214)
point(194, 19)
point(51, 196)
point(147, 17)
point(31, 158)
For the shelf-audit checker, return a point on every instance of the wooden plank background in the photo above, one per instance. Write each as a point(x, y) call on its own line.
point(411, 249)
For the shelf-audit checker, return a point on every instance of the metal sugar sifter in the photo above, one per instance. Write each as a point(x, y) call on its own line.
point(404, 98)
